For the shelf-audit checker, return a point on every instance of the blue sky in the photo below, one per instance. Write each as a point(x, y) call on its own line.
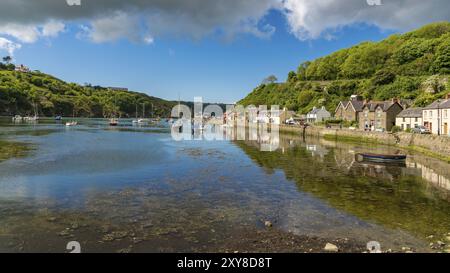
point(218, 69)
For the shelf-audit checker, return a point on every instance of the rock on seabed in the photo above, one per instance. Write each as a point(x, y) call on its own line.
point(331, 248)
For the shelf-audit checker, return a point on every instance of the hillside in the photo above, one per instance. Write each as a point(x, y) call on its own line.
point(413, 66)
point(19, 92)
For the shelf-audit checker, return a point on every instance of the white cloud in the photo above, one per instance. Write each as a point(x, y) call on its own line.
point(311, 19)
point(23, 33)
point(52, 28)
point(8, 46)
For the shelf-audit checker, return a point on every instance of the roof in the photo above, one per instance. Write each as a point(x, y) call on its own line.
point(439, 104)
point(411, 113)
point(357, 104)
point(385, 105)
point(316, 110)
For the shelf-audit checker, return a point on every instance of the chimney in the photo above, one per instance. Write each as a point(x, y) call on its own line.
point(394, 100)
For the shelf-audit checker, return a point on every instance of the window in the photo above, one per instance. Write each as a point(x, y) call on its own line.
point(425, 113)
point(416, 119)
point(403, 127)
point(379, 111)
point(431, 114)
point(445, 113)
point(404, 119)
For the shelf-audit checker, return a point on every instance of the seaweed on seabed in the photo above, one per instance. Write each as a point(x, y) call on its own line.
point(9, 149)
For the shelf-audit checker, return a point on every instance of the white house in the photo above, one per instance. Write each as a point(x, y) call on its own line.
point(22, 68)
point(409, 118)
point(318, 115)
point(436, 116)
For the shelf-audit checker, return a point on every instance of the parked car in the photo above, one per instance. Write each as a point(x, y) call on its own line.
point(421, 130)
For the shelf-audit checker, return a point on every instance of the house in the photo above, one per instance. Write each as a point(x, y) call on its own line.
point(22, 68)
point(409, 118)
point(436, 117)
point(379, 115)
point(286, 115)
point(118, 89)
point(350, 110)
point(318, 115)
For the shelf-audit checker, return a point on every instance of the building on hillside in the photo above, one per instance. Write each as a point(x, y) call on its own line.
point(22, 68)
point(118, 89)
point(436, 117)
point(318, 115)
point(379, 116)
point(409, 118)
point(350, 110)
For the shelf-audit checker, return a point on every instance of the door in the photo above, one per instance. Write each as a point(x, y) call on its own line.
point(446, 128)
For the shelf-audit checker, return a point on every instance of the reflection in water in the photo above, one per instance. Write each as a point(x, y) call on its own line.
point(412, 197)
point(135, 189)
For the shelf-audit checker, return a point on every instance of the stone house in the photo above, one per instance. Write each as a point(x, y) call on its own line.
point(436, 117)
point(379, 115)
point(349, 110)
point(318, 115)
point(410, 118)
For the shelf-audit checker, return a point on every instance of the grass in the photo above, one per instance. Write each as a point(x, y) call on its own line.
point(353, 139)
point(427, 152)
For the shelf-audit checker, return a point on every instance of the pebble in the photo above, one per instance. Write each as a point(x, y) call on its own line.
point(440, 243)
point(268, 224)
point(331, 248)
point(65, 232)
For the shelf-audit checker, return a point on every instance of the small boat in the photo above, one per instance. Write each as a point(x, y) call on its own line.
point(17, 118)
point(113, 122)
point(143, 121)
point(58, 118)
point(71, 123)
point(382, 157)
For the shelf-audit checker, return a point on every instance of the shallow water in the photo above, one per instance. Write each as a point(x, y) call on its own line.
point(135, 189)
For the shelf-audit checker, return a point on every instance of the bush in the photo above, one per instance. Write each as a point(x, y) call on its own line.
point(396, 129)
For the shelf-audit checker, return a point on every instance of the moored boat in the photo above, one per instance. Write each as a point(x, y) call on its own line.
point(113, 122)
point(383, 157)
point(71, 123)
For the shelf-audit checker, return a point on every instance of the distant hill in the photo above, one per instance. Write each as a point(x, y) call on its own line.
point(413, 66)
point(22, 92)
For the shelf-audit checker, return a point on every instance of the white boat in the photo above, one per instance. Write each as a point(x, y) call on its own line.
point(71, 123)
point(17, 118)
point(31, 119)
point(143, 121)
point(113, 122)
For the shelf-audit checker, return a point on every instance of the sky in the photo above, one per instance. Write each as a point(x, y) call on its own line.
point(217, 49)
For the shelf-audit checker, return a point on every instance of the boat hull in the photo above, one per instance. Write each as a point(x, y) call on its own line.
point(383, 158)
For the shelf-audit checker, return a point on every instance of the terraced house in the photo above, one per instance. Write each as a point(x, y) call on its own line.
point(410, 118)
point(379, 116)
point(350, 110)
point(436, 117)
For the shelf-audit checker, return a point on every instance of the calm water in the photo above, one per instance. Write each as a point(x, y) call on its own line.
point(135, 189)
